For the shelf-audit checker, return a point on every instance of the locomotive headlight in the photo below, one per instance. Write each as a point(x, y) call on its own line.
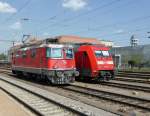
point(110, 62)
point(100, 62)
point(76, 73)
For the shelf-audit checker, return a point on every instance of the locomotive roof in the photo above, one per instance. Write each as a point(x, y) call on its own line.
point(47, 45)
point(25, 47)
point(58, 40)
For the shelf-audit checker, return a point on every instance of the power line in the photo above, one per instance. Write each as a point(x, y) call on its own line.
point(107, 12)
point(110, 10)
point(19, 10)
point(98, 28)
point(80, 15)
point(126, 32)
point(8, 40)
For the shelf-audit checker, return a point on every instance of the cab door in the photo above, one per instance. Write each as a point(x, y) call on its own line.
point(85, 64)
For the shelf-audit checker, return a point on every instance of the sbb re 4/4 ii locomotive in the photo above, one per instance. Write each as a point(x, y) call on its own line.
point(55, 62)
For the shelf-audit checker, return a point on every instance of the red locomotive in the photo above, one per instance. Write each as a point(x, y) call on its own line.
point(94, 62)
point(52, 61)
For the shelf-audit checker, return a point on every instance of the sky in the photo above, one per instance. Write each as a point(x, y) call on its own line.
point(112, 20)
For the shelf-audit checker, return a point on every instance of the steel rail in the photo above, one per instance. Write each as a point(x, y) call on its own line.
point(33, 103)
point(114, 97)
point(127, 86)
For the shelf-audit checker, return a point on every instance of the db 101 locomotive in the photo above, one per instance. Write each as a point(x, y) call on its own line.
point(54, 62)
point(94, 62)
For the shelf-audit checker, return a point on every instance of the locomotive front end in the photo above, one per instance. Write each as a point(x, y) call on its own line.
point(105, 64)
point(61, 64)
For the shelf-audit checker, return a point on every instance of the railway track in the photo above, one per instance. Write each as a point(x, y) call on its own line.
point(133, 80)
point(127, 86)
point(134, 72)
point(114, 84)
point(37, 103)
point(40, 103)
point(113, 97)
point(124, 100)
point(136, 75)
point(122, 78)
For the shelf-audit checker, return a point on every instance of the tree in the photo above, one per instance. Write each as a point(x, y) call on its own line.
point(131, 63)
point(3, 56)
point(137, 58)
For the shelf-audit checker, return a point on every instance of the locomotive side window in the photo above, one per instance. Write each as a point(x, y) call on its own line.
point(24, 54)
point(17, 55)
point(69, 53)
point(33, 52)
point(48, 52)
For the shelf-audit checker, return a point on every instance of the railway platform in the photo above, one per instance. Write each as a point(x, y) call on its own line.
point(10, 107)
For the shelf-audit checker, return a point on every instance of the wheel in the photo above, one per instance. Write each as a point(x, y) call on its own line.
point(49, 80)
point(19, 73)
point(13, 71)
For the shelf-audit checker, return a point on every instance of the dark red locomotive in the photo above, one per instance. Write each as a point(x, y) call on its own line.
point(52, 61)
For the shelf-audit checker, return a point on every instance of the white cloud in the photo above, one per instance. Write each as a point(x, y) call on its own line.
point(16, 26)
point(6, 8)
point(74, 4)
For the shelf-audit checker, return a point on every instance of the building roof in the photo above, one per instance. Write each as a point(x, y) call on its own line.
point(76, 39)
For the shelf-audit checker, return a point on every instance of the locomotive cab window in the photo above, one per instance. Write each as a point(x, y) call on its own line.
point(105, 53)
point(69, 53)
point(54, 52)
point(99, 53)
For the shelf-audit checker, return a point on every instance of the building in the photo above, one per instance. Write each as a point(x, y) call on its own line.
point(133, 41)
point(139, 53)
